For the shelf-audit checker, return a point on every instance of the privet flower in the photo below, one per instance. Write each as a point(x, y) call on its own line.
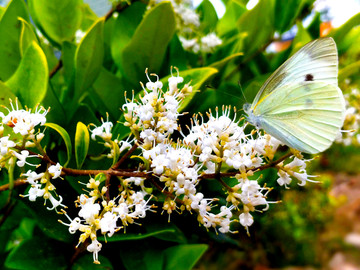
point(189, 30)
point(212, 146)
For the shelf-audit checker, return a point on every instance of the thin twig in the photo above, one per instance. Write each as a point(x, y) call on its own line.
point(123, 158)
point(17, 183)
point(56, 69)
point(261, 168)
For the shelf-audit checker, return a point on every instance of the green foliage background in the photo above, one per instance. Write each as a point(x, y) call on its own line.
point(82, 81)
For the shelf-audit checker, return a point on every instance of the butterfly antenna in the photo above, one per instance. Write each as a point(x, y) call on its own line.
point(243, 94)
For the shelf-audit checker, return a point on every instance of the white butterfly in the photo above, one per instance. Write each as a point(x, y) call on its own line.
point(301, 104)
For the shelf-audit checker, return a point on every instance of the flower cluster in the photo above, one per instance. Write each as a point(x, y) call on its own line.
point(41, 185)
point(20, 125)
point(176, 169)
point(97, 214)
point(188, 27)
point(215, 146)
point(351, 135)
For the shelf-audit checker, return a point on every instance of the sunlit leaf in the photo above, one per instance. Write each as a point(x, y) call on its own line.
point(59, 19)
point(27, 36)
point(89, 58)
point(66, 137)
point(188, 255)
point(30, 80)
point(10, 28)
point(148, 45)
point(82, 140)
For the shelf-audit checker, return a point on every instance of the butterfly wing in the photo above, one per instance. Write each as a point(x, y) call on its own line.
point(306, 116)
point(316, 61)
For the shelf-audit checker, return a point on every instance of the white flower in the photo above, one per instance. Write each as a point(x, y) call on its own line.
point(95, 247)
point(24, 154)
point(5, 144)
point(55, 203)
point(122, 210)
point(79, 34)
point(55, 170)
point(158, 163)
point(303, 178)
point(190, 17)
point(24, 121)
point(174, 81)
point(74, 225)
point(284, 178)
point(89, 209)
point(35, 191)
point(153, 86)
point(190, 44)
point(209, 42)
point(108, 223)
point(246, 219)
point(124, 145)
point(103, 131)
point(32, 177)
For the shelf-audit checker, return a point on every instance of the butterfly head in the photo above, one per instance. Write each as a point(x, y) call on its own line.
point(251, 118)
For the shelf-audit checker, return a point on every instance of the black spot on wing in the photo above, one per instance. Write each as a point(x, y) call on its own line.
point(308, 103)
point(309, 77)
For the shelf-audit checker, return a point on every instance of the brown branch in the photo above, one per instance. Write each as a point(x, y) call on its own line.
point(17, 183)
point(261, 168)
point(56, 69)
point(222, 182)
point(7, 212)
point(127, 173)
point(167, 193)
point(132, 149)
point(120, 7)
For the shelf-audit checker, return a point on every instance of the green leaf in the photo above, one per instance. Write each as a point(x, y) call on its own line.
point(124, 29)
point(89, 58)
point(86, 262)
point(116, 152)
point(57, 113)
point(5, 96)
point(9, 35)
point(101, 177)
point(142, 255)
point(314, 26)
point(340, 33)
point(208, 16)
point(302, 37)
point(82, 140)
point(63, 133)
point(227, 24)
point(131, 237)
point(68, 59)
point(27, 36)
point(349, 70)
point(188, 255)
point(59, 19)
point(30, 80)
point(88, 17)
point(177, 54)
point(2, 11)
point(197, 77)
point(258, 26)
point(107, 86)
point(37, 253)
point(223, 62)
point(286, 13)
point(148, 46)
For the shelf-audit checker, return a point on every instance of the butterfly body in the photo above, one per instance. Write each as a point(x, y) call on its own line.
point(301, 104)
